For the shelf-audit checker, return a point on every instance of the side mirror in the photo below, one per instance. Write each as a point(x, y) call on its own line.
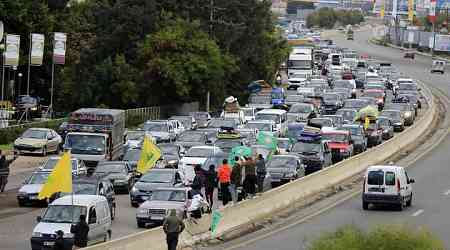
point(39, 218)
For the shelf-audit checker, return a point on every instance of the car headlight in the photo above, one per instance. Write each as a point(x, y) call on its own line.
point(408, 114)
point(134, 189)
point(33, 108)
point(36, 234)
point(142, 211)
point(385, 131)
point(68, 235)
point(172, 162)
point(398, 124)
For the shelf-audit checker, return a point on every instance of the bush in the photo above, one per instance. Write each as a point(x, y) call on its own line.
point(328, 18)
point(396, 237)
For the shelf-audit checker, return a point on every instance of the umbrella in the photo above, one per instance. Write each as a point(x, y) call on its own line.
point(369, 111)
point(239, 151)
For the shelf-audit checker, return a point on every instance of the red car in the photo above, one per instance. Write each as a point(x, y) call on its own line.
point(339, 142)
point(378, 94)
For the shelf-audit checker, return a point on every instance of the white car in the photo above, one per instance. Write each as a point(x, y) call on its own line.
point(38, 140)
point(197, 155)
point(387, 185)
point(78, 166)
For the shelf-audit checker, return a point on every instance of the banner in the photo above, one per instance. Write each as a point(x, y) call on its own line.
point(382, 9)
point(411, 10)
point(12, 50)
point(394, 8)
point(37, 49)
point(442, 43)
point(59, 48)
point(432, 11)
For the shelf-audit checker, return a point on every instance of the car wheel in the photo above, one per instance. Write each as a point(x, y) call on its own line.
point(140, 224)
point(409, 202)
point(44, 151)
point(365, 205)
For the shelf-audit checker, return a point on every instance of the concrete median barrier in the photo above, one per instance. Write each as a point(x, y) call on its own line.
point(275, 200)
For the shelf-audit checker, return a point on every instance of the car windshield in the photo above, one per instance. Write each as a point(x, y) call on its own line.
point(156, 126)
point(169, 149)
point(281, 162)
point(294, 98)
point(51, 163)
point(355, 104)
point(300, 108)
point(86, 144)
point(374, 87)
point(330, 97)
point(353, 130)
point(375, 178)
point(373, 94)
point(248, 112)
point(383, 122)
point(199, 152)
point(271, 117)
point(169, 195)
point(391, 114)
point(302, 76)
point(35, 134)
point(132, 155)
point(200, 115)
point(306, 147)
point(260, 126)
point(218, 123)
point(224, 144)
point(342, 84)
point(189, 136)
point(323, 122)
point(157, 177)
point(38, 178)
point(407, 86)
point(84, 188)
point(348, 115)
point(299, 64)
point(135, 135)
point(63, 214)
point(335, 137)
point(110, 168)
point(283, 144)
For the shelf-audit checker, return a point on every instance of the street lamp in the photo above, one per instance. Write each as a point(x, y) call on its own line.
point(20, 83)
point(2, 48)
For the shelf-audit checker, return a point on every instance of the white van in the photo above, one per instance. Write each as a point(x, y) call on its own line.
point(279, 116)
point(387, 185)
point(65, 211)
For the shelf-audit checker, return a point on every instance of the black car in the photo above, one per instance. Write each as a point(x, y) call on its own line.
point(284, 168)
point(396, 118)
point(118, 172)
point(171, 154)
point(155, 178)
point(314, 155)
point(374, 134)
point(358, 136)
point(132, 157)
point(30, 104)
point(303, 111)
point(331, 103)
point(192, 138)
point(388, 127)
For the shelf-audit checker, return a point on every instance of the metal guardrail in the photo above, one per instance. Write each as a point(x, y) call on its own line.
point(143, 114)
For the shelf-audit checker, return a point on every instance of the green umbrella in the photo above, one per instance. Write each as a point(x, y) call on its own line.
point(267, 139)
point(239, 151)
point(368, 111)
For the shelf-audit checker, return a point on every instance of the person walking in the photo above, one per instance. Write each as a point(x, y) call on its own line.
point(260, 172)
point(236, 179)
point(172, 226)
point(4, 170)
point(80, 232)
point(224, 174)
point(59, 241)
point(198, 182)
point(250, 177)
point(210, 185)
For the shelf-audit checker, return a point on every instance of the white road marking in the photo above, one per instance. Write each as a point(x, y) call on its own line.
point(447, 192)
point(417, 213)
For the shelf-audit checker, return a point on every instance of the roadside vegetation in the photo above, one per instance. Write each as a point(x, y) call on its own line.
point(382, 237)
point(134, 53)
point(330, 18)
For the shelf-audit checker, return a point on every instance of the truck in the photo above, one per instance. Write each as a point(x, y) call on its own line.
point(278, 96)
point(300, 61)
point(260, 95)
point(232, 110)
point(96, 135)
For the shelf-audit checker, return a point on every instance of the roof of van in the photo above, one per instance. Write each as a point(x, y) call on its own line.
point(79, 200)
point(384, 167)
point(272, 111)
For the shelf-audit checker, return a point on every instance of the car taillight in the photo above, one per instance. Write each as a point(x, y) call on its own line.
point(398, 186)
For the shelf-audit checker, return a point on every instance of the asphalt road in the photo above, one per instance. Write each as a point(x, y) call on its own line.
point(431, 204)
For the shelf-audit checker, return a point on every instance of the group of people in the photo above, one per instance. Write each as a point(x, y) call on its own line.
point(246, 173)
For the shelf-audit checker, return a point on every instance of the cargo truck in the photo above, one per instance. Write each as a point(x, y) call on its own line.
point(96, 135)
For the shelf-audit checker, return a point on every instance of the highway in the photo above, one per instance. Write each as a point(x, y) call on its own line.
point(431, 204)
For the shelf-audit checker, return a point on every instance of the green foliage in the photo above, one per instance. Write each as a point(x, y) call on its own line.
point(329, 18)
point(383, 237)
point(8, 135)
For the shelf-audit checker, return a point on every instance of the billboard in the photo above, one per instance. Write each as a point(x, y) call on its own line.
point(59, 48)
point(442, 43)
point(37, 49)
point(12, 50)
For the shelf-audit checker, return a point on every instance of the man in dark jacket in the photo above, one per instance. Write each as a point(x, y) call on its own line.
point(236, 180)
point(210, 185)
point(198, 182)
point(250, 177)
point(260, 172)
point(59, 241)
point(80, 231)
point(4, 170)
point(172, 226)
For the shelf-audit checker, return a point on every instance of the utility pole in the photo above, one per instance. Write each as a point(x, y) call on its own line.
point(211, 36)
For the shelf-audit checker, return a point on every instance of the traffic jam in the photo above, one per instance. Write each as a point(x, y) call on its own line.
point(327, 104)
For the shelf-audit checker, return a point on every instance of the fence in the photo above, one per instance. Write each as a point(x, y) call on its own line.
point(418, 39)
point(137, 116)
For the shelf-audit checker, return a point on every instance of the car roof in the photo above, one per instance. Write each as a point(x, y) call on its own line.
point(40, 129)
point(78, 200)
point(335, 131)
point(261, 121)
point(272, 111)
point(174, 188)
point(383, 167)
point(206, 147)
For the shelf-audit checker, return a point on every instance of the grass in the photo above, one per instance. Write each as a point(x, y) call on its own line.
point(5, 147)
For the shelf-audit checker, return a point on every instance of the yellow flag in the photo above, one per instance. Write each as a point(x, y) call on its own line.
point(366, 123)
point(60, 180)
point(411, 10)
point(382, 10)
point(150, 154)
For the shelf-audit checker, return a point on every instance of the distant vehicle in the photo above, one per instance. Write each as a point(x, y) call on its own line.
point(96, 135)
point(374, 134)
point(249, 113)
point(387, 185)
point(119, 173)
point(276, 115)
point(340, 143)
point(303, 111)
point(297, 79)
point(202, 118)
point(358, 136)
point(38, 141)
point(190, 139)
point(62, 213)
point(331, 103)
point(132, 156)
point(347, 114)
point(396, 117)
point(284, 145)
point(406, 109)
point(188, 121)
point(28, 103)
point(356, 104)
point(388, 127)
point(171, 154)
point(135, 138)
point(78, 166)
point(315, 155)
point(197, 155)
point(28, 193)
point(409, 54)
point(438, 66)
point(350, 34)
point(321, 122)
point(152, 180)
point(285, 168)
point(218, 123)
point(161, 130)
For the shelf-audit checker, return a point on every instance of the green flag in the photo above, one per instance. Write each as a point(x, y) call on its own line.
point(267, 139)
point(238, 151)
point(215, 220)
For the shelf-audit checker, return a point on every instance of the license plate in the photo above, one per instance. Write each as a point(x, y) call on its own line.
point(376, 190)
point(49, 243)
point(156, 218)
point(145, 198)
